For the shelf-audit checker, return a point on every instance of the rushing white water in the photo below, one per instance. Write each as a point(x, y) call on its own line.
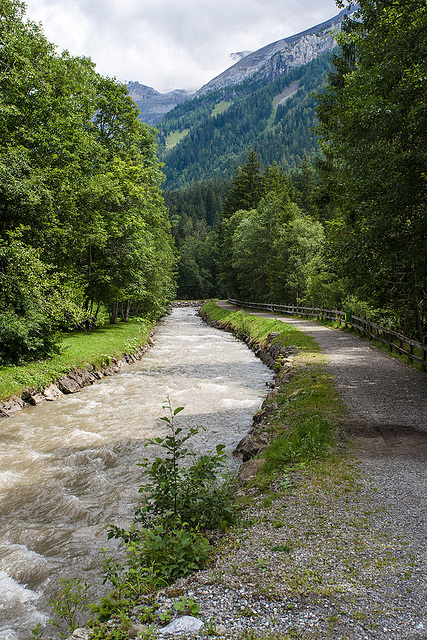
point(68, 468)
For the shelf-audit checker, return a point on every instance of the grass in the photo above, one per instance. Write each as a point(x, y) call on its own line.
point(221, 107)
point(78, 349)
point(175, 138)
point(304, 424)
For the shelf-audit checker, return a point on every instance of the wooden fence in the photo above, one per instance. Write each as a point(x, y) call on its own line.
point(415, 351)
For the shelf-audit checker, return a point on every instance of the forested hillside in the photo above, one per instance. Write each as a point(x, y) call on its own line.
point(83, 222)
point(212, 135)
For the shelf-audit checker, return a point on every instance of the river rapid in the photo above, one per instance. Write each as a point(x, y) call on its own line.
point(68, 468)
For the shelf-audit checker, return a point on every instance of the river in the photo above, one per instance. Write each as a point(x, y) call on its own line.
point(69, 468)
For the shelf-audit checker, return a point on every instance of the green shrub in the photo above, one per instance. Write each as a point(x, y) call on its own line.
point(183, 497)
point(173, 553)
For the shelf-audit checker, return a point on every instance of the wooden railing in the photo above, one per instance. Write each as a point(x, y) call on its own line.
point(415, 351)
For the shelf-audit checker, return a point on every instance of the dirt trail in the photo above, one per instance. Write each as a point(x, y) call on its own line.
point(342, 556)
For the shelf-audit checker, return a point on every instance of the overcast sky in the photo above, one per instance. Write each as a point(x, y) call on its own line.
point(171, 44)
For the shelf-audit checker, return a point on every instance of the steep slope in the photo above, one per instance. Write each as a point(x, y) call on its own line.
point(279, 57)
point(264, 101)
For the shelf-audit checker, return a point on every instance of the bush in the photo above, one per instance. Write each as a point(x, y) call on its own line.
point(180, 501)
point(34, 303)
point(26, 337)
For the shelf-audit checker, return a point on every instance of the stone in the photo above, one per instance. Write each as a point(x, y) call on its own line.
point(220, 630)
point(36, 398)
point(68, 385)
point(109, 371)
point(80, 634)
point(185, 624)
point(248, 470)
point(78, 376)
point(52, 392)
point(250, 446)
point(11, 407)
point(137, 630)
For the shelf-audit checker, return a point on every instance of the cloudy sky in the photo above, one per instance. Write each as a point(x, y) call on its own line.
point(171, 44)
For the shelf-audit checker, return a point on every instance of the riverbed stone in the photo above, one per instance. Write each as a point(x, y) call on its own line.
point(185, 624)
point(250, 446)
point(68, 385)
point(79, 376)
point(36, 398)
point(249, 470)
point(11, 407)
point(80, 634)
point(52, 392)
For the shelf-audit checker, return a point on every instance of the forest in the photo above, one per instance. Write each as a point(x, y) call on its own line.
point(348, 227)
point(83, 221)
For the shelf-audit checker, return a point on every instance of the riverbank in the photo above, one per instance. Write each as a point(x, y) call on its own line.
point(85, 357)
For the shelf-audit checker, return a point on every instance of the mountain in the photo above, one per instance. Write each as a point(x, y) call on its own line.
point(278, 58)
point(211, 136)
point(265, 102)
point(152, 104)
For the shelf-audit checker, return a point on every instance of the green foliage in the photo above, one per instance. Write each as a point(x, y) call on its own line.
point(179, 492)
point(33, 304)
point(69, 605)
point(306, 441)
point(80, 183)
point(186, 606)
point(181, 498)
point(173, 552)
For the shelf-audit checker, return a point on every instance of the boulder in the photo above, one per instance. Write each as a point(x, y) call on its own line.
point(79, 376)
point(250, 446)
point(11, 407)
point(36, 398)
point(68, 385)
point(52, 392)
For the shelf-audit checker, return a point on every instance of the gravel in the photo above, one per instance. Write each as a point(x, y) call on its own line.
point(342, 553)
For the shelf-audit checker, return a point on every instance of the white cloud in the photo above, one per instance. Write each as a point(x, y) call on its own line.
point(171, 44)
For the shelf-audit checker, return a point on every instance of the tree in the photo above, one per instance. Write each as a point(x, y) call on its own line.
point(79, 177)
point(34, 304)
point(246, 188)
point(374, 118)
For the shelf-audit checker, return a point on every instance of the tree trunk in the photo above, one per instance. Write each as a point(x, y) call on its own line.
point(114, 312)
point(416, 306)
point(125, 310)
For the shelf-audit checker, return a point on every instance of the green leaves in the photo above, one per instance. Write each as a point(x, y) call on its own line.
point(374, 118)
point(182, 497)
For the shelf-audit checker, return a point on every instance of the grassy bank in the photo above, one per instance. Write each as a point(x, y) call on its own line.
point(78, 349)
point(307, 409)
